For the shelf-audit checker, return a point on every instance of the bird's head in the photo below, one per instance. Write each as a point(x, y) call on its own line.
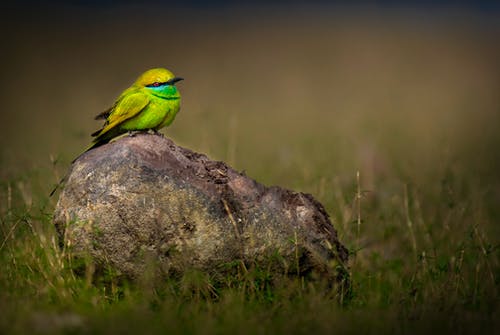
point(159, 81)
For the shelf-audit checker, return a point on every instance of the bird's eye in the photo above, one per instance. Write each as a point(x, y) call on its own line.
point(155, 84)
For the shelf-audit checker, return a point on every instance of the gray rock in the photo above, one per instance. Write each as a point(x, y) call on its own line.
point(145, 198)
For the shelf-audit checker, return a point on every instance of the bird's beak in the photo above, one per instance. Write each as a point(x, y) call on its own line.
point(174, 80)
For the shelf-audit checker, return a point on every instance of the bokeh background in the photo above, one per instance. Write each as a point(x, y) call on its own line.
point(299, 94)
point(275, 89)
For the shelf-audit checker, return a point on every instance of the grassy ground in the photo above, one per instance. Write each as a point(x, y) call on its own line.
point(410, 103)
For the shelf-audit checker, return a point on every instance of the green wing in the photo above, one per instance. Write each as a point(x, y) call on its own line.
point(125, 108)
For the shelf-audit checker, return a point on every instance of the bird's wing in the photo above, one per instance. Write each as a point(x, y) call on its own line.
point(125, 108)
point(104, 115)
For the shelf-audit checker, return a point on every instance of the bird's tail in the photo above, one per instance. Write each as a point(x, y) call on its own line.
point(96, 143)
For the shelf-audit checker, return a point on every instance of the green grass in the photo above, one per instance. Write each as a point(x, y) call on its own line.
point(411, 272)
point(413, 109)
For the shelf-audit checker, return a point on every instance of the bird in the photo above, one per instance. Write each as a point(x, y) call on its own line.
point(151, 103)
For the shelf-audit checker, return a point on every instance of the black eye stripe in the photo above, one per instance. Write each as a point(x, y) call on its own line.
point(168, 82)
point(156, 84)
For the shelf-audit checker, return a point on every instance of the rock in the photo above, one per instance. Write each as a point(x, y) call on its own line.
point(145, 198)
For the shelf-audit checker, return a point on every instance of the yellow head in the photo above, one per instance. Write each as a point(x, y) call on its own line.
point(156, 77)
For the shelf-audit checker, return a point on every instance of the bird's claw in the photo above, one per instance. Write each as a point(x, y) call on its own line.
point(132, 133)
point(156, 132)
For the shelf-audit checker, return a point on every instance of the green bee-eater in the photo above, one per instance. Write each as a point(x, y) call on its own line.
point(150, 103)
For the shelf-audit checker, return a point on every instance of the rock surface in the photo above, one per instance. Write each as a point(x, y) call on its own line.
point(144, 197)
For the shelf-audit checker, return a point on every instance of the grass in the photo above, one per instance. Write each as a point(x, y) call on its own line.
point(392, 125)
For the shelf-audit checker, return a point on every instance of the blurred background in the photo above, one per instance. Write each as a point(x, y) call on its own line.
point(295, 93)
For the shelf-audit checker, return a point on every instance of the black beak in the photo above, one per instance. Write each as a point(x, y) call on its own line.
point(174, 80)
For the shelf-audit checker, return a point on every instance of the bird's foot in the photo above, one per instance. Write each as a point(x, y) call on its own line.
point(132, 133)
point(156, 132)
